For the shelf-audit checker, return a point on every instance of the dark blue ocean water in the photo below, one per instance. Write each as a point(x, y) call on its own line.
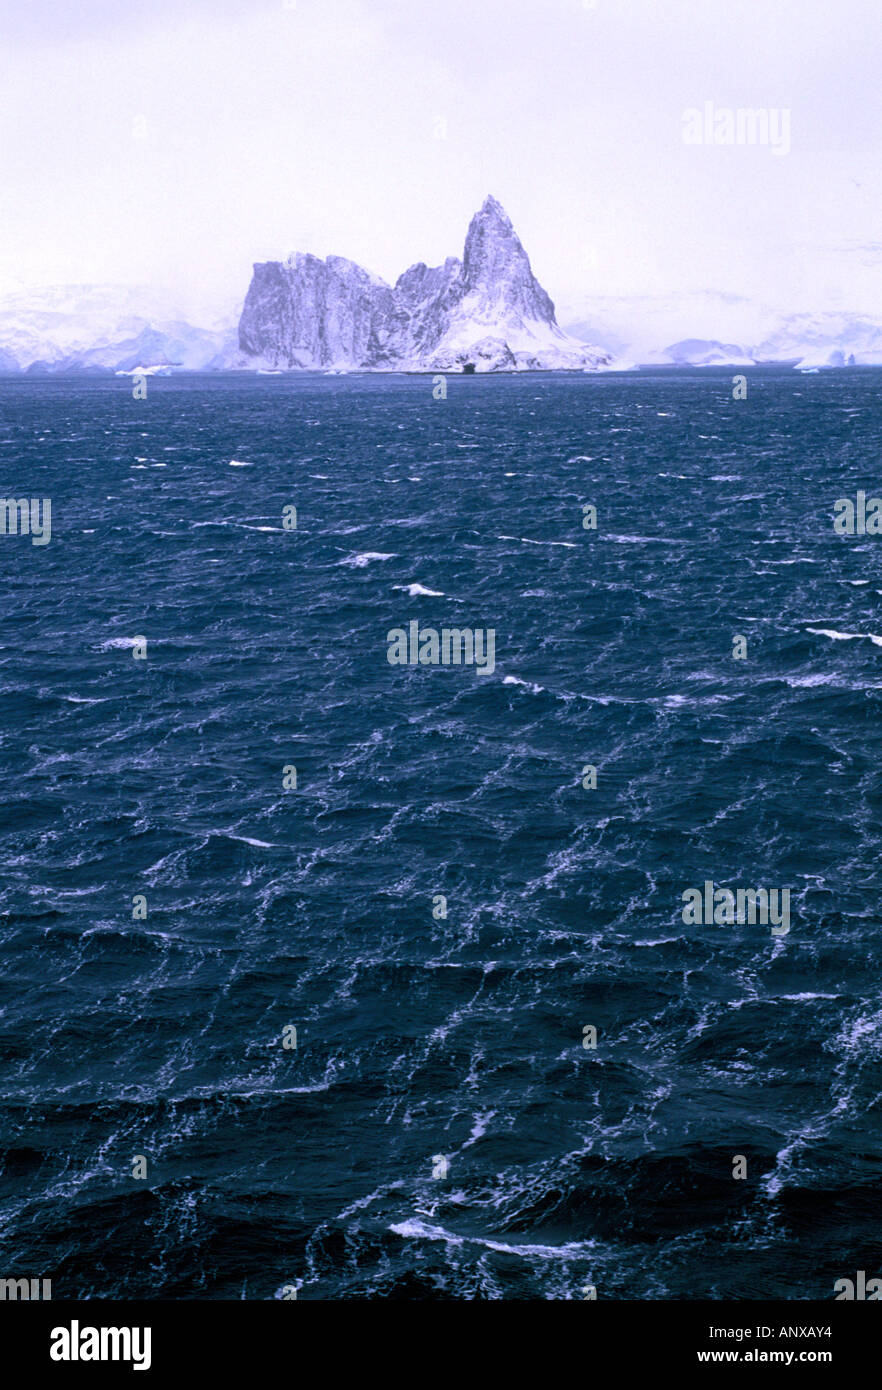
point(424, 1038)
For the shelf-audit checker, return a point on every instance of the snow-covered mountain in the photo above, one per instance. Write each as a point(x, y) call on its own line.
point(106, 328)
point(827, 339)
point(486, 312)
point(712, 329)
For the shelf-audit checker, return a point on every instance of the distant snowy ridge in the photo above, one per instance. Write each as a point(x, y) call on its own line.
point(104, 328)
point(687, 330)
point(486, 312)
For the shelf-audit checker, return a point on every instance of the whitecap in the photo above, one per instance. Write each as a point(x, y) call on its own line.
point(801, 998)
point(421, 1230)
point(359, 562)
point(525, 540)
point(528, 685)
point(479, 1128)
point(122, 643)
point(641, 540)
point(837, 636)
point(418, 590)
point(807, 682)
point(246, 840)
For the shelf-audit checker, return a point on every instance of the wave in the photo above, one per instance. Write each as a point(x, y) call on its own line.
point(120, 643)
point(365, 558)
point(421, 1230)
point(525, 540)
point(641, 540)
point(527, 685)
point(836, 636)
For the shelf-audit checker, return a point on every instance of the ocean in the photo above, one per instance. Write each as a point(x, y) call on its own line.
point(230, 825)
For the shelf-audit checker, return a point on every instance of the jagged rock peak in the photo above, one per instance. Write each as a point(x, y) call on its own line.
point(491, 207)
point(494, 260)
point(486, 312)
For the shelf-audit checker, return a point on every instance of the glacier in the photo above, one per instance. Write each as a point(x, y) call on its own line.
point(107, 328)
point(685, 330)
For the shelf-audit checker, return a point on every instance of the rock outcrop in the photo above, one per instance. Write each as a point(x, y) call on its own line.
point(486, 312)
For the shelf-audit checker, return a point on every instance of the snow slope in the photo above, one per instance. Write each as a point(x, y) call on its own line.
point(103, 328)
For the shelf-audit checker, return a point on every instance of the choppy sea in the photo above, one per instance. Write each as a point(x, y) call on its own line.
point(439, 907)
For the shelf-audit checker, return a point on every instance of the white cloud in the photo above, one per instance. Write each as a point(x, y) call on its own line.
point(178, 142)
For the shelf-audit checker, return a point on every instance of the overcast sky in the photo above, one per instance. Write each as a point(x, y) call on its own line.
point(174, 142)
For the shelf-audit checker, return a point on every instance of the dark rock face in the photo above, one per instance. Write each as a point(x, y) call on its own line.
point(496, 267)
point(488, 309)
point(308, 312)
